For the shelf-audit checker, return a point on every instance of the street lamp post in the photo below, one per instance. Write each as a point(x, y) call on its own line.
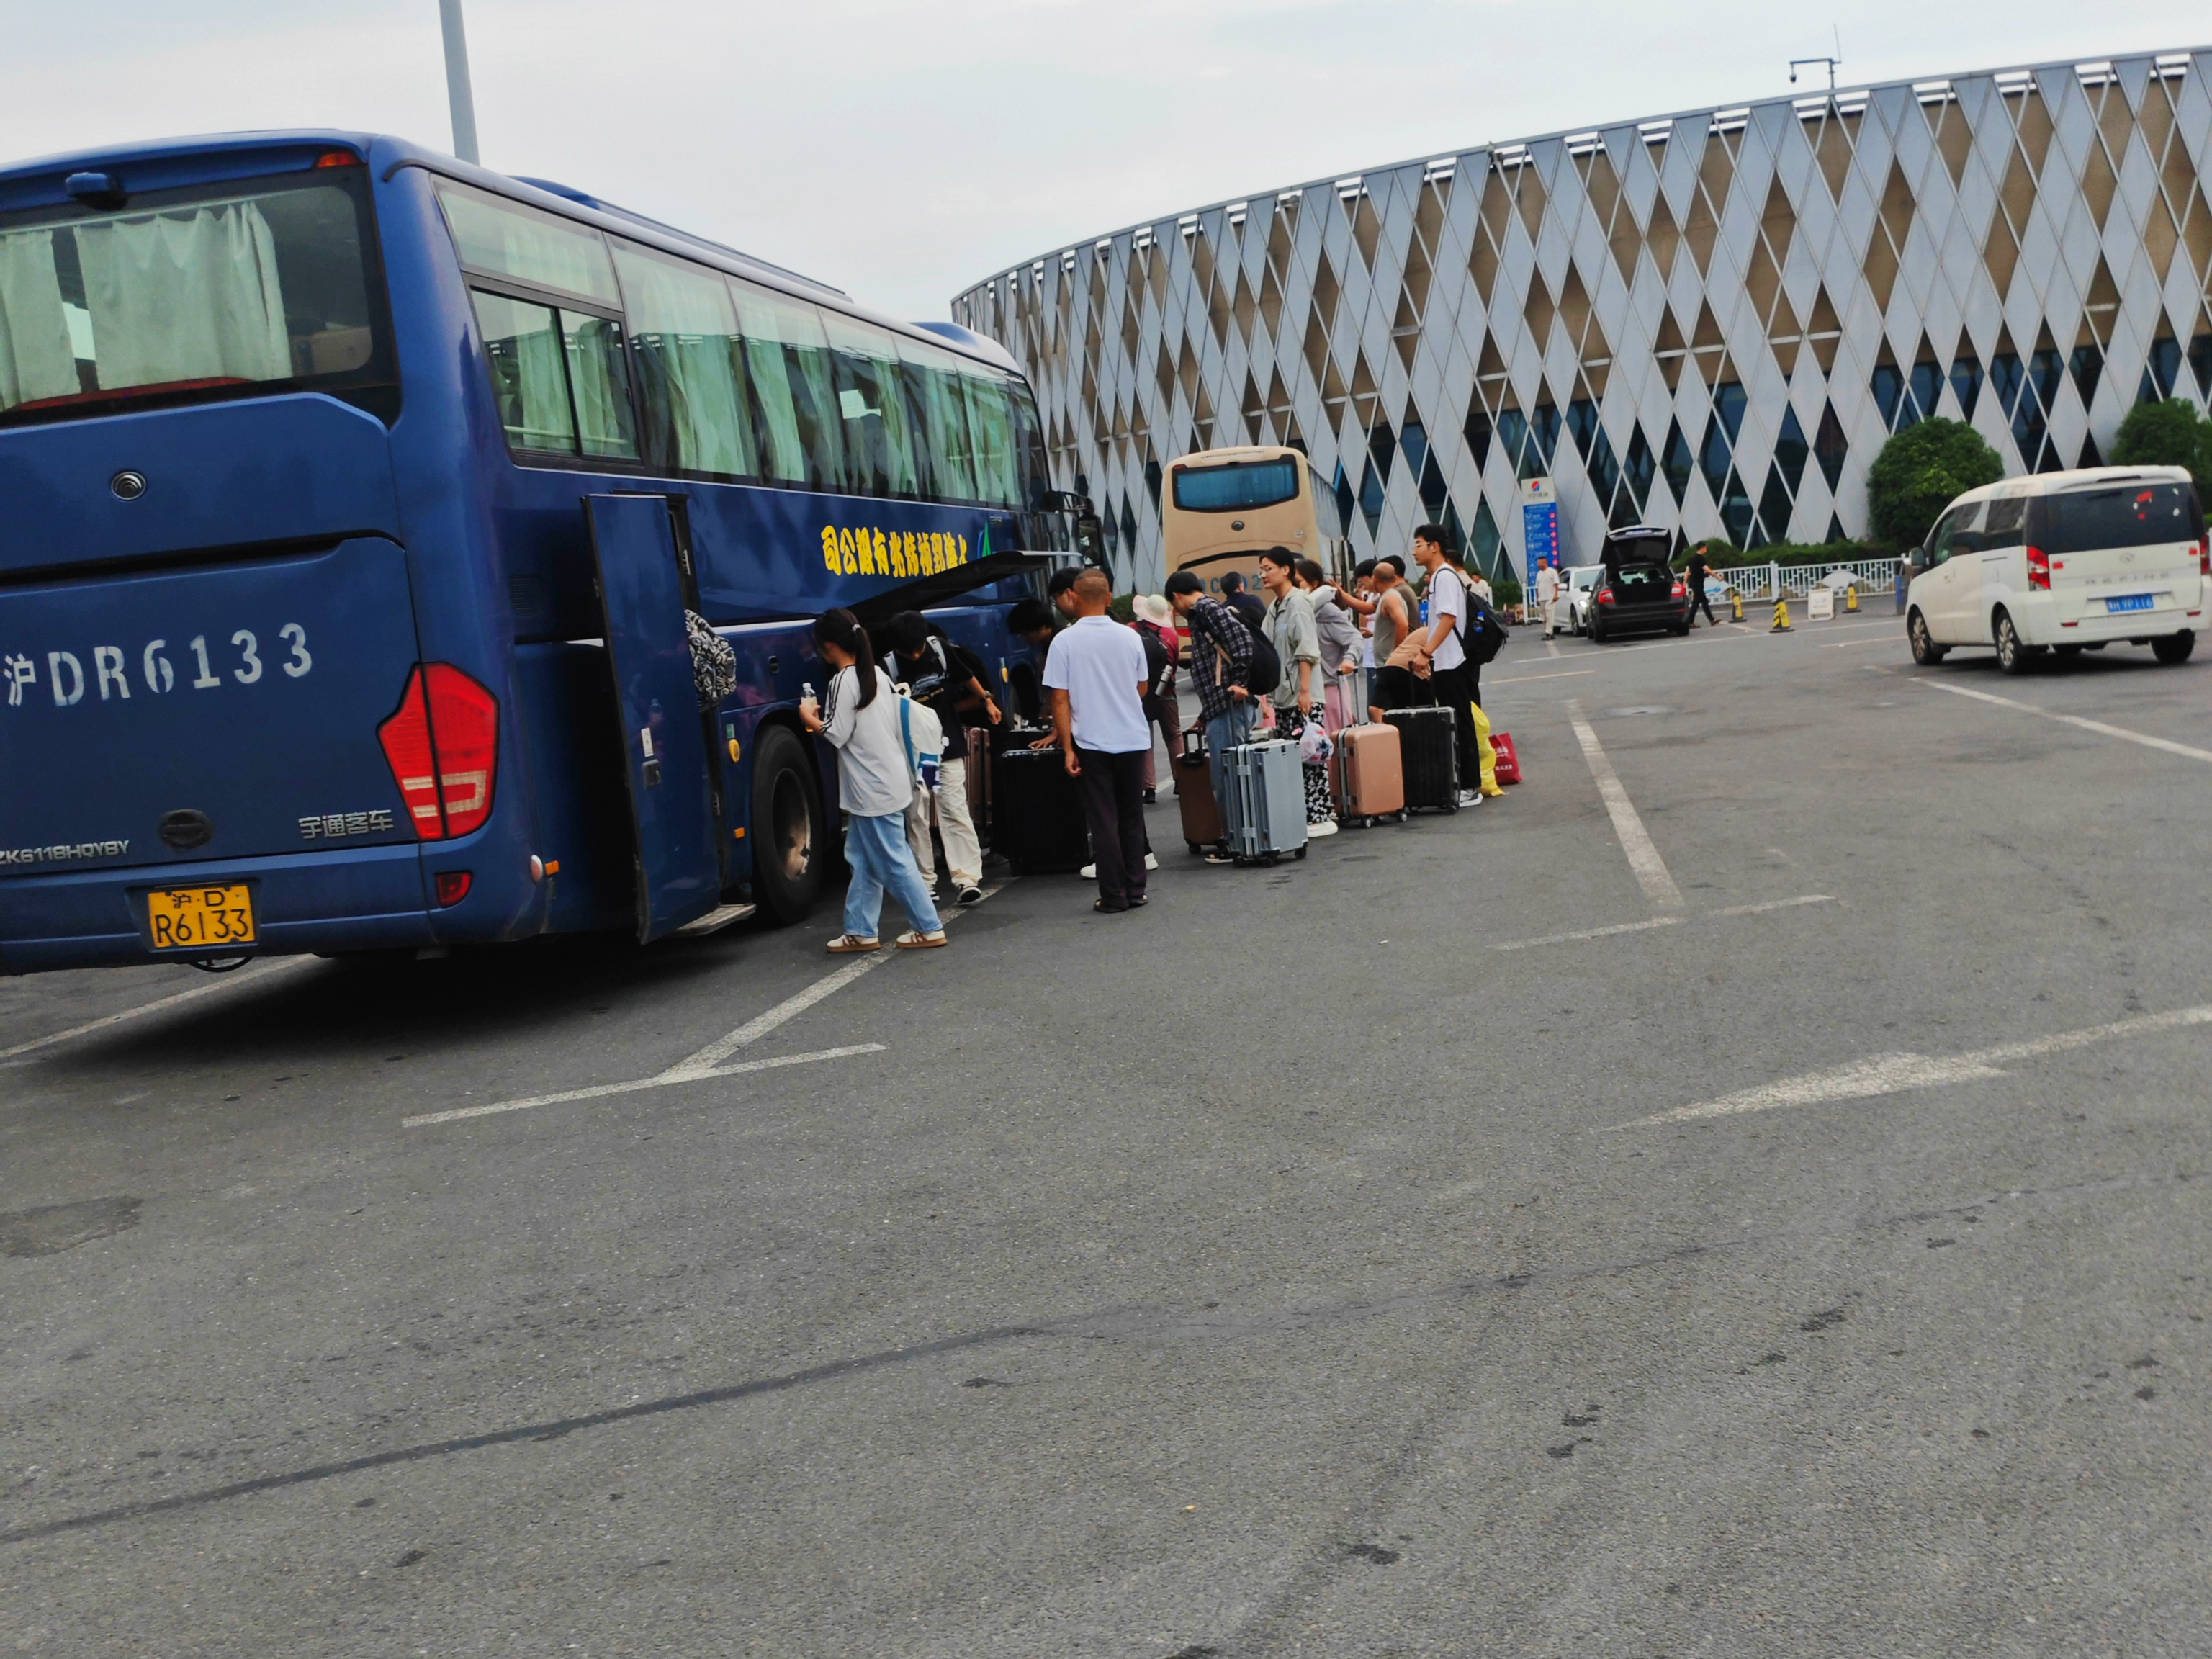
point(457, 80)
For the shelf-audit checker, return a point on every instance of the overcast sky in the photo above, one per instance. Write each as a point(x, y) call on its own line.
point(903, 152)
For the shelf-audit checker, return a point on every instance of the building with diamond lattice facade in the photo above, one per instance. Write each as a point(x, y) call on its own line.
point(1708, 321)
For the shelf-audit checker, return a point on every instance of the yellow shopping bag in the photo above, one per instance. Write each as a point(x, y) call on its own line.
point(1487, 755)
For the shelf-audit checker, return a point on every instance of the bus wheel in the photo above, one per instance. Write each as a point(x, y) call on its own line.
point(789, 846)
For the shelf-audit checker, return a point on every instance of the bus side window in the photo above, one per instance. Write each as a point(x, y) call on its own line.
point(683, 331)
point(801, 437)
point(522, 343)
point(878, 439)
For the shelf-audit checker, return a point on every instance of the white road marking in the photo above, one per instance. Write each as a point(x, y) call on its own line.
point(1776, 904)
point(1589, 933)
point(1879, 639)
point(1885, 1075)
point(1565, 674)
point(1552, 647)
point(1642, 857)
point(2163, 744)
point(1664, 921)
point(673, 1075)
point(229, 981)
point(707, 1061)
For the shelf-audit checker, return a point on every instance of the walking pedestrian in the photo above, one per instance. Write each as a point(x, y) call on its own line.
point(1291, 627)
point(1220, 673)
point(1547, 595)
point(1397, 637)
point(1454, 681)
point(875, 784)
point(1155, 624)
point(947, 679)
point(1696, 575)
point(1097, 679)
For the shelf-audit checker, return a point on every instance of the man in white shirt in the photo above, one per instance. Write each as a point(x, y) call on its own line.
point(1451, 680)
point(1096, 675)
point(1547, 595)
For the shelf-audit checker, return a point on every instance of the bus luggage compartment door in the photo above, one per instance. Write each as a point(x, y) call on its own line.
point(664, 763)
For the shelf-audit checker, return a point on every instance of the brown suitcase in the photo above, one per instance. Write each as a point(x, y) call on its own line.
point(1370, 775)
point(1202, 810)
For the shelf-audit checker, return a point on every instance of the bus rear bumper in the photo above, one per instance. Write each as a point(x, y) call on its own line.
point(362, 898)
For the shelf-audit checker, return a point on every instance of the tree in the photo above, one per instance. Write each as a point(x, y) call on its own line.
point(2170, 432)
point(1918, 474)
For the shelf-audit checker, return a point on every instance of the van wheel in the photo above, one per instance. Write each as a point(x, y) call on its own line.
point(2013, 656)
point(789, 847)
point(1926, 651)
point(2174, 647)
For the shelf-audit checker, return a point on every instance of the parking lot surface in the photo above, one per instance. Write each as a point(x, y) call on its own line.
point(1744, 1192)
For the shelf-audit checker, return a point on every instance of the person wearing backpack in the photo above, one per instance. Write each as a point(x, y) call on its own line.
point(1455, 677)
point(947, 679)
point(859, 719)
point(1231, 668)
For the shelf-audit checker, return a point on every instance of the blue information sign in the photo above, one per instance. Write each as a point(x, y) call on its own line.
point(1540, 525)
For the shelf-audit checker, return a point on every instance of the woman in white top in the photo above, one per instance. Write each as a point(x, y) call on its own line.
point(875, 783)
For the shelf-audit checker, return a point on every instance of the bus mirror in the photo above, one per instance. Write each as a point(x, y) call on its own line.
point(1091, 538)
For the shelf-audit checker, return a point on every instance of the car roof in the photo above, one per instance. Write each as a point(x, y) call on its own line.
point(2086, 477)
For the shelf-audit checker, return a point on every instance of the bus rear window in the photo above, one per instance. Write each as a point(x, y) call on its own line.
point(1236, 487)
point(192, 295)
point(2125, 515)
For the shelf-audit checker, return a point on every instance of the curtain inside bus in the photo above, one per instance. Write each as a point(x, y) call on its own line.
point(36, 360)
point(187, 297)
point(786, 359)
point(683, 330)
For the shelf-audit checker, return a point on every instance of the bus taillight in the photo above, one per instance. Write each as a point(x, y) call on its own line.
point(445, 729)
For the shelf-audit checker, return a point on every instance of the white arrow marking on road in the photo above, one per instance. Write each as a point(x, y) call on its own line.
point(708, 1062)
point(1886, 1074)
point(674, 1074)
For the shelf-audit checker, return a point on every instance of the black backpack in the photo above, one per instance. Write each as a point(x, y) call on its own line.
point(1481, 634)
point(1266, 662)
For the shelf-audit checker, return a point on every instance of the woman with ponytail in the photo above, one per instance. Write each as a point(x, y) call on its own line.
point(875, 783)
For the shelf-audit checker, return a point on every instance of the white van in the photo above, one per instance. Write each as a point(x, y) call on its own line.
point(2063, 560)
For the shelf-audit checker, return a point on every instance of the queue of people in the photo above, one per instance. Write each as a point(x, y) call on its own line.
point(1312, 655)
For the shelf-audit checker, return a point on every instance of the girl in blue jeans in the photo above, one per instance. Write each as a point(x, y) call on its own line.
point(859, 720)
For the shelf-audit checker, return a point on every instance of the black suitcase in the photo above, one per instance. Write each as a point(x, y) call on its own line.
point(1038, 821)
point(1430, 748)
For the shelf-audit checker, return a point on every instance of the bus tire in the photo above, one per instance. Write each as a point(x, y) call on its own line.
point(791, 845)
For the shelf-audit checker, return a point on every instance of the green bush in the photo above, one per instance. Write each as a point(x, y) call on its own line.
point(1919, 471)
point(1123, 608)
point(1505, 586)
point(2167, 434)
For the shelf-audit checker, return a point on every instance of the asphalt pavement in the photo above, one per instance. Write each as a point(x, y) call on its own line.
point(1744, 1192)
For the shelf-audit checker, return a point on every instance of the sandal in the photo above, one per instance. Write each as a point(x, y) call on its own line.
point(912, 941)
point(852, 945)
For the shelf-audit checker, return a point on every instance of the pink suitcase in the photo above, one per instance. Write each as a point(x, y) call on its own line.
point(1370, 775)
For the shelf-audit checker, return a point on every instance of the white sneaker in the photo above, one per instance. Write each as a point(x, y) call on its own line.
point(1469, 798)
point(1316, 831)
point(1088, 873)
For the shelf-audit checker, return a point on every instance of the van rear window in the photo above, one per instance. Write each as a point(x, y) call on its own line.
point(2125, 515)
point(1236, 487)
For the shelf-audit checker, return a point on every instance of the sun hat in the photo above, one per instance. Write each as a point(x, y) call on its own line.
point(1155, 610)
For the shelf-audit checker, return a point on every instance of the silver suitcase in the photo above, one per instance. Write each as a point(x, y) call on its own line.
point(1266, 807)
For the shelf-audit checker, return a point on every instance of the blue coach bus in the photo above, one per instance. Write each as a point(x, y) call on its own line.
point(351, 501)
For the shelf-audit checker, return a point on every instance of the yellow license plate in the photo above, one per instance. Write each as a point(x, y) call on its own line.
point(192, 918)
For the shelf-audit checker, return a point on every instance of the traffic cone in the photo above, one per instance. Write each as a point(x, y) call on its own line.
point(1851, 597)
point(1781, 616)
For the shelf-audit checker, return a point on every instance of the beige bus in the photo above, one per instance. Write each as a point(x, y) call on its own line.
point(1222, 508)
